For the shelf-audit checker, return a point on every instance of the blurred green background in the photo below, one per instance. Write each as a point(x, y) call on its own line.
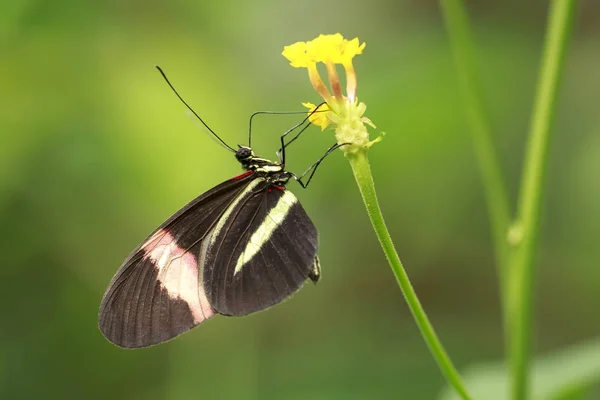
point(96, 152)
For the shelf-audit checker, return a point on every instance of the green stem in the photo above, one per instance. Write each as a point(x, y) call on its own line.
point(526, 228)
point(364, 179)
point(494, 185)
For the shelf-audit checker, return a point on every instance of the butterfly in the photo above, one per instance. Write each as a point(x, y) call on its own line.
point(241, 247)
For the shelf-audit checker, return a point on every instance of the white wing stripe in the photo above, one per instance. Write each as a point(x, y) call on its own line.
point(251, 185)
point(272, 221)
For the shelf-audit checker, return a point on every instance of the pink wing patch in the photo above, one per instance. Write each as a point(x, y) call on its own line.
point(178, 273)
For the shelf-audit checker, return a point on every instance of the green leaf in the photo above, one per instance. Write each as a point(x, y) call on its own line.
point(568, 373)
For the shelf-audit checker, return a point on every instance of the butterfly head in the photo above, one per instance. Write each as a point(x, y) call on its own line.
point(244, 154)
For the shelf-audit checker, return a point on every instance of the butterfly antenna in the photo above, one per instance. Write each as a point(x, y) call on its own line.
point(268, 113)
point(192, 110)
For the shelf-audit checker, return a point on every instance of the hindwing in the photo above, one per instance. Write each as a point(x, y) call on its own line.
point(262, 250)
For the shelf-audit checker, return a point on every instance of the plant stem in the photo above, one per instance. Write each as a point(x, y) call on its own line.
point(522, 259)
point(494, 185)
point(364, 179)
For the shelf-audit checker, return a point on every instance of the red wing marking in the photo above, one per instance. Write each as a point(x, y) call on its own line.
point(242, 176)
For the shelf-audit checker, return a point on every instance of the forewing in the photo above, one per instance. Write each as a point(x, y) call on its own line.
point(158, 293)
point(264, 251)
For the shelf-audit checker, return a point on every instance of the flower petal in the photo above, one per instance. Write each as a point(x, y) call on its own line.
point(326, 48)
point(296, 54)
point(351, 49)
point(319, 117)
point(331, 49)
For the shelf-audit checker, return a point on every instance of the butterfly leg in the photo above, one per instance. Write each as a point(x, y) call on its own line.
point(281, 151)
point(313, 168)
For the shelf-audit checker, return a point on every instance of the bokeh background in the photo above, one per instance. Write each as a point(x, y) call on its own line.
point(96, 152)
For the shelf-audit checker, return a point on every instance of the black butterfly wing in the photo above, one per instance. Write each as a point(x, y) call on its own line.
point(158, 292)
point(261, 252)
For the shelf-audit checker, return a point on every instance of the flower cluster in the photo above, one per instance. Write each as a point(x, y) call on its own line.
point(345, 112)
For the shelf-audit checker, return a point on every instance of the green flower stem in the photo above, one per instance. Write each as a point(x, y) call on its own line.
point(364, 179)
point(526, 229)
point(494, 184)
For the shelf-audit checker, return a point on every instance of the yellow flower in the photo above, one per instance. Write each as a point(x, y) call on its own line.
point(344, 110)
point(318, 117)
point(330, 50)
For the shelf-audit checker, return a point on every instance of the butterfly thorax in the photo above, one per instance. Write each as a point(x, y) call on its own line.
point(273, 172)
